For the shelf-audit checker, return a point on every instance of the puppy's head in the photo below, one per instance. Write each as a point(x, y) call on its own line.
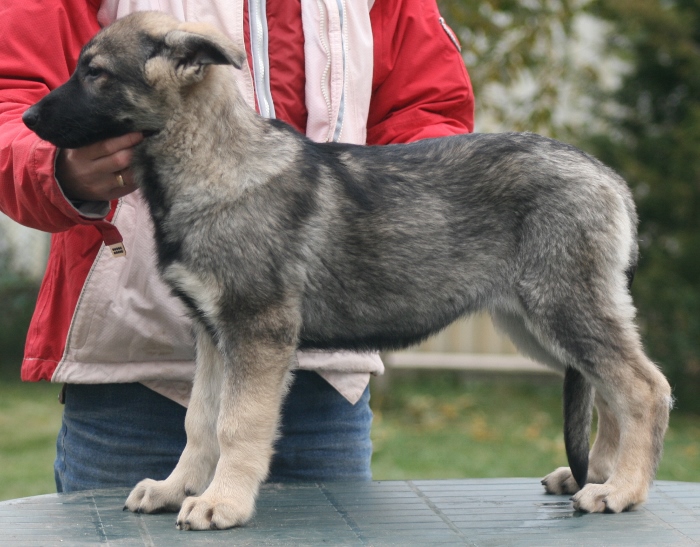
point(130, 77)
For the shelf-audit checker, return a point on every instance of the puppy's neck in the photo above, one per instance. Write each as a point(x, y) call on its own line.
point(213, 142)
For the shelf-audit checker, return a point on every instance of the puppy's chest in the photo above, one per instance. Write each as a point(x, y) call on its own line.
point(199, 292)
point(169, 187)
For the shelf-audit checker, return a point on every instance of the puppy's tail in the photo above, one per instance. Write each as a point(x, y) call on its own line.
point(578, 414)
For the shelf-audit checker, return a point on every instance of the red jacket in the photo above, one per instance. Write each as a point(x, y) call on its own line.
point(420, 89)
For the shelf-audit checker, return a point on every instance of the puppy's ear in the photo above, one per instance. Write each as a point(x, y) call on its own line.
point(193, 47)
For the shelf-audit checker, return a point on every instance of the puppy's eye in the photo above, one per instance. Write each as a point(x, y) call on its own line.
point(94, 72)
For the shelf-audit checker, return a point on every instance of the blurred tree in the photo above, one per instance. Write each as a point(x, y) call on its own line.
point(536, 65)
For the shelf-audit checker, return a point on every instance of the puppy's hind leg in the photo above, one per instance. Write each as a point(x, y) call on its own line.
point(638, 398)
point(594, 332)
point(578, 398)
point(607, 442)
point(632, 396)
point(196, 466)
point(602, 458)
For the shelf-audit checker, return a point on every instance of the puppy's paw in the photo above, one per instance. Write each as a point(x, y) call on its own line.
point(560, 481)
point(606, 498)
point(209, 512)
point(151, 496)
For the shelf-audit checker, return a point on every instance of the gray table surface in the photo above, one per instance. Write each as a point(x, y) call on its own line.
point(444, 512)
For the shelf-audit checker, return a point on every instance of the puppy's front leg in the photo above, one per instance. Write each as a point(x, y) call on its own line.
point(196, 466)
point(255, 382)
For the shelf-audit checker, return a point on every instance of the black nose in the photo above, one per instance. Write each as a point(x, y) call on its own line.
point(31, 117)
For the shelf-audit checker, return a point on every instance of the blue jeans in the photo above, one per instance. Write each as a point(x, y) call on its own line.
point(117, 434)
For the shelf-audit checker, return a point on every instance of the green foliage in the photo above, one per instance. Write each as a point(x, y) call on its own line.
point(18, 293)
point(657, 147)
point(522, 61)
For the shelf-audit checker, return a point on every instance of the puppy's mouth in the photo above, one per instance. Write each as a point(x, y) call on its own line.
point(150, 132)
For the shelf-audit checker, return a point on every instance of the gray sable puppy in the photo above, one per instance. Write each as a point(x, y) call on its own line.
point(277, 243)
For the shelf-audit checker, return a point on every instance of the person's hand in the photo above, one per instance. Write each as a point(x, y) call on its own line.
point(98, 172)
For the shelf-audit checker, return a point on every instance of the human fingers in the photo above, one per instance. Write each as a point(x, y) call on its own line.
point(105, 178)
point(108, 147)
point(118, 161)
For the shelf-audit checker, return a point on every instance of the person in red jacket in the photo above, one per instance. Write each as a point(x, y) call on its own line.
point(107, 328)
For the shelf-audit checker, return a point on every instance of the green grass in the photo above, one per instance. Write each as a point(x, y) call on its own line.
point(426, 426)
point(447, 426)
point(443, 427)
point(30, 417)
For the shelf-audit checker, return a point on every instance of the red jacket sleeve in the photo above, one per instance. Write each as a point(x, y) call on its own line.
point(40, 41)
point(420, 86)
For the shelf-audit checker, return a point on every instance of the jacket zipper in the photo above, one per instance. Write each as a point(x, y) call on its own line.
point(327, 68)
point(343, 35)
point(261, 63)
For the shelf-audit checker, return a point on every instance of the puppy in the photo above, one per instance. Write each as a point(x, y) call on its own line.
point(277, 243)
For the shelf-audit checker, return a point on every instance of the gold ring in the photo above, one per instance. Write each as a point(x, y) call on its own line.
point(120, 179)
